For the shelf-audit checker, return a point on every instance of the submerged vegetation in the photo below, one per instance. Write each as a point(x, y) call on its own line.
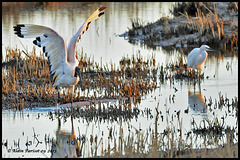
point(215, 24)
point(173, 141)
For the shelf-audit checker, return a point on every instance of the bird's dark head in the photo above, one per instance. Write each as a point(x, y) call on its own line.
point(77, 72)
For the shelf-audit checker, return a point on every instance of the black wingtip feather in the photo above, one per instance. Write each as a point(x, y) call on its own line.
point(52, 74)
point(48, 60)
point(20, 25)
point(100, 14)
point(35, 42)
point(20, 35)
point(102, 8)
point(17, 30)
point(54, 78)
point(39, 39)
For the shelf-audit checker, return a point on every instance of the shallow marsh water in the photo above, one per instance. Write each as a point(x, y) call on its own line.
point(102, 42)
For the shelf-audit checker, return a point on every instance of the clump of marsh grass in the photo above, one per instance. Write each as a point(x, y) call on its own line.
point(22, 80)
point(189, 7)
point(204, 26)
point(29, 79)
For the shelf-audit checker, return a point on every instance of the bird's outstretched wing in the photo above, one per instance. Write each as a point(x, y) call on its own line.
point(82, 29)
point(53, 45)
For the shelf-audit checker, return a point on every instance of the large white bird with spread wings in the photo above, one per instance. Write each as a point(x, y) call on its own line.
point(63, 65)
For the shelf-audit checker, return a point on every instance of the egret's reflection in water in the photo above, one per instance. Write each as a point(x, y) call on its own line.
point(196, 102)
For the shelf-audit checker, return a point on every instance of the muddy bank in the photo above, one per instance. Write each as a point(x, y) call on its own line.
point(216, 26)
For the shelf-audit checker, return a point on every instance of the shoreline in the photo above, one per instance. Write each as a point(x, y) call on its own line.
point(218, 28)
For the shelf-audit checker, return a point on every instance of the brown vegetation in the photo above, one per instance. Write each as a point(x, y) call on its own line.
point(205, 26)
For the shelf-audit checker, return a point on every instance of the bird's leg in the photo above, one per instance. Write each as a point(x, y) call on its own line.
point(59, 98)
point(59, 123)
point(199, 87)
point(72, 89)
point(194, 74)
point(80, 79)
point(194, 85)
point(198, 76)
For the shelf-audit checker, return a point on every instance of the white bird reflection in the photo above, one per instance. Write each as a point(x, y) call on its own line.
point(196, 102)
point(66, 144)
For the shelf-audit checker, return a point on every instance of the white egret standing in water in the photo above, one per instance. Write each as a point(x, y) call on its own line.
point(197, 57)
point(63, 64)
